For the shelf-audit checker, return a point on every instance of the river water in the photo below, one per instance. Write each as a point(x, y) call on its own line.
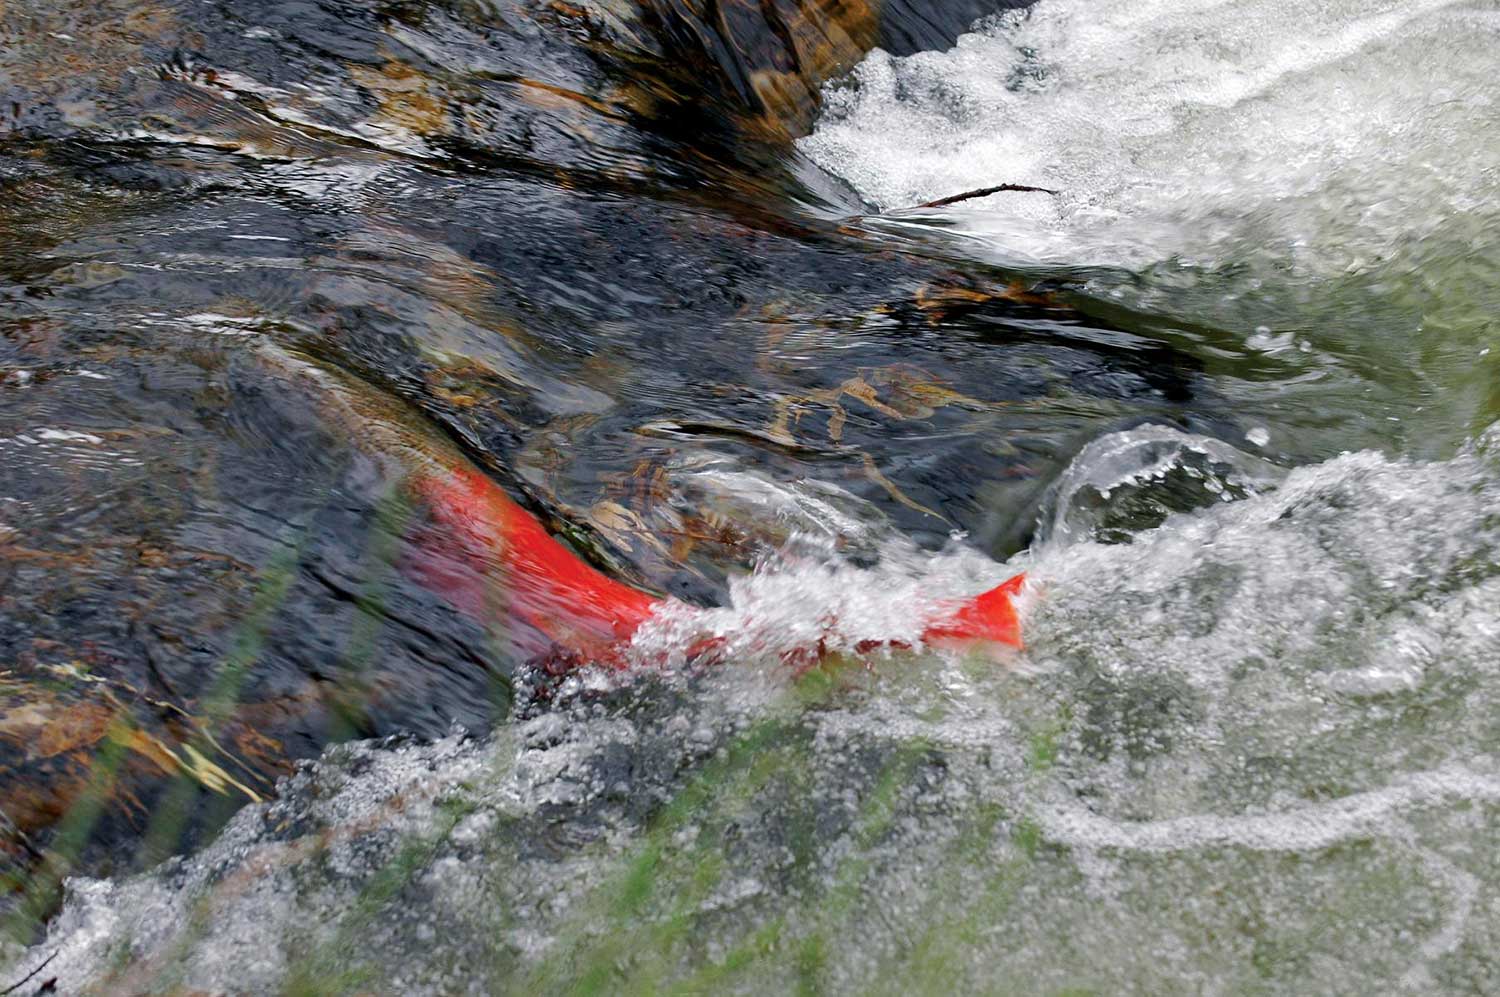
point(1226, 396)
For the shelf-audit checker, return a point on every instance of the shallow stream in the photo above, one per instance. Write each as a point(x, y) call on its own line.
point(665, 273)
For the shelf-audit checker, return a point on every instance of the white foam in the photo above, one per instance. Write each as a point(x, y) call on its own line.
point(1322, 136)
point(1312, 827)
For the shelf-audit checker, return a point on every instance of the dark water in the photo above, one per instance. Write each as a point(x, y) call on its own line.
point(580, 243)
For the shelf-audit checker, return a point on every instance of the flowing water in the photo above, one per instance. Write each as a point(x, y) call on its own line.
point(1226, 396)
point(1282, 174)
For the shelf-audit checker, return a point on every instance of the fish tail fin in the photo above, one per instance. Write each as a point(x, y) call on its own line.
point(990, 616)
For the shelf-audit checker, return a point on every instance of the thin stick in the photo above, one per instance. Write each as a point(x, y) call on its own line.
point(17, 986)
point(985, 192)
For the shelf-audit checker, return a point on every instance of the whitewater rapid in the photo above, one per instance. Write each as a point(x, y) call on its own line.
point(1324, 136)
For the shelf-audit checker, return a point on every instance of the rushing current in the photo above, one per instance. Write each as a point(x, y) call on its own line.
point(1224, 390)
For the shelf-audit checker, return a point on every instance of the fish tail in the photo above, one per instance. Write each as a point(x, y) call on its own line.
point(990, 616)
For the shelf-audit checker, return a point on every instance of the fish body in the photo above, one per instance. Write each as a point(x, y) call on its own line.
point(592, 617)
point(494, 560)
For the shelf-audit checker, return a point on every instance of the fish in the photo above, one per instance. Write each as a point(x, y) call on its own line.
point(593, 617)
point(494, 560)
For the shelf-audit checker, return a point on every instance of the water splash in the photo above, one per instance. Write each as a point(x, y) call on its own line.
point(1125, 481)
point(841, 579)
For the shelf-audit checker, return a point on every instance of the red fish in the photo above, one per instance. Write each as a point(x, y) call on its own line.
point(496, 561)
point(591, 616)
